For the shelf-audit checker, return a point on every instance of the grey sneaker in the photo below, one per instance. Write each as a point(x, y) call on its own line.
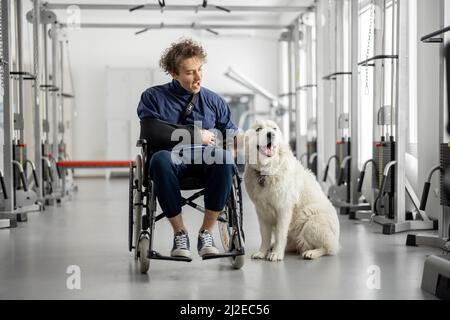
point(181, 246)
point(205, 245)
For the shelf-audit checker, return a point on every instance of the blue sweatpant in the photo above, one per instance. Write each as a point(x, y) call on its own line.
point(167, 168)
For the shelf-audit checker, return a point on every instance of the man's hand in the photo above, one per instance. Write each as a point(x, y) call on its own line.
point(208, 137)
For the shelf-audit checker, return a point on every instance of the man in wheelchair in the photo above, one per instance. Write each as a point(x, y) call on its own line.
point(205, 116)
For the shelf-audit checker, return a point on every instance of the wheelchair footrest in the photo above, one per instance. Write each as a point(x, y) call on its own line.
point(234, 253)
point(157, 256)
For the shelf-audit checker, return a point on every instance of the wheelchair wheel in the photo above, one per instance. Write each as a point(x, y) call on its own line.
point(229, 243)
point(144, 244)
point(138, 204)
point(130, 207)
point(230, 225)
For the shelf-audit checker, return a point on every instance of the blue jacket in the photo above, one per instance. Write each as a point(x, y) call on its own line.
point(168, 101)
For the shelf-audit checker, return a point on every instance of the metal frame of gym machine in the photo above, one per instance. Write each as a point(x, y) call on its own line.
point(326, 100)
point(441, 240)
point(339, 193)
point(18, 196)
point(299, 52)
point(436, 271)
point(306, 90)
point(51, 101)
point(390, 187)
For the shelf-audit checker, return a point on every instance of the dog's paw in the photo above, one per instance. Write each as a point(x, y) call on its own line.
point(312, 254)
point(275, 256)
point(259, 255)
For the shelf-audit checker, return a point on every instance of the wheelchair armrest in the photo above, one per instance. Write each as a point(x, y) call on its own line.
point(141, 143)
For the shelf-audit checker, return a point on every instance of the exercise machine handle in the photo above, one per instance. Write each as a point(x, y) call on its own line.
point(383, 185)
point(326, 173)
point(426, 188)
point(423, 201)
point(363, 173)
point(2, 182)
point(325, 176)
point(21, 174)
point(384, 181)
point(344, 163)
point(33, 170)
point(361, 180)
point(447, 61)
point(312, 158)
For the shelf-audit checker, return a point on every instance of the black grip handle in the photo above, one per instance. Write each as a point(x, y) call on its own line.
point(2, 182)
point(377, 204)
point(36, 181)
point(426, 190)
point(447, 62)
point(383, 185)
point(24, 180)
point(325, 176)
point(341, 176)
point(361, 180)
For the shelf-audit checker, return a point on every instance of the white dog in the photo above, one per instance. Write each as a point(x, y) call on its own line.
point(288, 200)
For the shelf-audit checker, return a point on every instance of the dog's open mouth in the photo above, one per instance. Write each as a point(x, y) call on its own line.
point(268, 151)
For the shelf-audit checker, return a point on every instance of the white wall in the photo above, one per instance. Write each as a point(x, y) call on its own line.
point(95, 49)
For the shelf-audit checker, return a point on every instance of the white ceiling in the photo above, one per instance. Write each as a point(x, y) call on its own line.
point(170, 17)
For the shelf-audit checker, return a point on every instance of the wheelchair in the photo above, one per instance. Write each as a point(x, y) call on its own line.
point(143, 218)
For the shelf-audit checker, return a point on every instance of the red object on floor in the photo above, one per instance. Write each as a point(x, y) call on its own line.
point(94, 163)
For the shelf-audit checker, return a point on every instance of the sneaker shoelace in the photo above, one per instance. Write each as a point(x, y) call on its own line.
point(206, 239)
point(181, 241)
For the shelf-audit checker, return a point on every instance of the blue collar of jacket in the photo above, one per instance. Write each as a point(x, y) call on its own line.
point(176, 87)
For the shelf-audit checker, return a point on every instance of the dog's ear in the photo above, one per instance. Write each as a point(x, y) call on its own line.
point(258, 123)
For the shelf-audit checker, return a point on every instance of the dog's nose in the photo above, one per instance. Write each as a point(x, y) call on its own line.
point(270, 135)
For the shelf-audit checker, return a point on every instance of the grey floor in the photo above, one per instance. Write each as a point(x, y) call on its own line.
point(90, 232)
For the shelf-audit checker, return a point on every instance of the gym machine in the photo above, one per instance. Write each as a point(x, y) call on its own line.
point(339, 91)
point(68, 184)
point(308, 90)
point(442, 240)
point(51, 102)
point(19, 196)
point(391, 189)
point(436, 272)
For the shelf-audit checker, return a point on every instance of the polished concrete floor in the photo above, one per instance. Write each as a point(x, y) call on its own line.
point(90, 232)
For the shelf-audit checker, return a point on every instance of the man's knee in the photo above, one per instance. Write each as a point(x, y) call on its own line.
point(160, 161)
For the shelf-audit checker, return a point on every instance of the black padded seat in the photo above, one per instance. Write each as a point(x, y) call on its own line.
point(191, 183)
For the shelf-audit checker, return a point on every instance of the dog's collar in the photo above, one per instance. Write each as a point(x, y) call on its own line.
point(262, 180)
point(261, 176)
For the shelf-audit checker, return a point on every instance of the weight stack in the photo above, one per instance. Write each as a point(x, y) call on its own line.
point(383, 153)
point(311, 148)
point(342, 151)
point(445, 164)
